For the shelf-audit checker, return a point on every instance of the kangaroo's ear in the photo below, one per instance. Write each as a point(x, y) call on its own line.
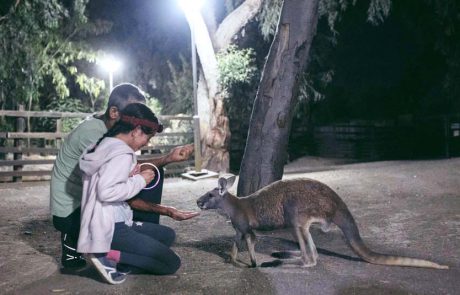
point(222, 186)
point(230, 181)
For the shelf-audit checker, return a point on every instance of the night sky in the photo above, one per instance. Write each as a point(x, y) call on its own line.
point(380, 71)
point(144, 35)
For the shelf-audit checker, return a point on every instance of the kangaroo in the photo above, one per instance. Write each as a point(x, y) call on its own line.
point(294, 204)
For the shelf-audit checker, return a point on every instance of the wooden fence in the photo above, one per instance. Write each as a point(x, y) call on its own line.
point(30, 155)
point(432, 137)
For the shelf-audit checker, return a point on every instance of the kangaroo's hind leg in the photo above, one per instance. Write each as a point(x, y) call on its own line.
point(311, 245)
point(309, 253)
point(251, 242)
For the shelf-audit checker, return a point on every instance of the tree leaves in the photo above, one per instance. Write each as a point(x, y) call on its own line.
point(236, 66)
point(41, 40)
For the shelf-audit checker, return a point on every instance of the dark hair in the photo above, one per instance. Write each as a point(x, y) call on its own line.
point(122, 95)
point(133, 115)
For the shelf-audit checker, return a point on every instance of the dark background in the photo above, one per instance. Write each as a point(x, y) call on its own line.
point(389, 80)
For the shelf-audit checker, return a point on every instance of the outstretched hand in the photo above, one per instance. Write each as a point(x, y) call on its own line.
point(180, 153)
point(180, 215)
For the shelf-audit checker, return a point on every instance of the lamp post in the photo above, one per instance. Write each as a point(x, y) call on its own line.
point(196, 117)
point(111, 65)
point(191, 9)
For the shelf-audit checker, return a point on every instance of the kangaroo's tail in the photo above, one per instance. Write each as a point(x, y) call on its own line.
point(345, 221)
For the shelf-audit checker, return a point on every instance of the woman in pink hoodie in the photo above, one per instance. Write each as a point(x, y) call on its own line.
point(108, 235)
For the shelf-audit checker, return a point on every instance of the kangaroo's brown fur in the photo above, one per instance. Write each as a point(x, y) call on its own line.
point(295, 204)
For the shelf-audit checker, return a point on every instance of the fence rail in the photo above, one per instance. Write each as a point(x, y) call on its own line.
point(20, 159)
point(420, 138)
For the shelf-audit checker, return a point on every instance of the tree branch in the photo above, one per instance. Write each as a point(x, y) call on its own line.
point(234, 22)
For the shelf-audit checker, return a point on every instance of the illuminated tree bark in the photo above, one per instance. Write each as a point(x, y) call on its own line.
point(266, 147)
point(214, 126)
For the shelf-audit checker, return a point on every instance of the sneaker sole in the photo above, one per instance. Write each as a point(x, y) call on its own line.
point(103, 270)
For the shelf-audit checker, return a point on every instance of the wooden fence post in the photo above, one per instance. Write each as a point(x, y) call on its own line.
point(19, 142)
point(58, 141)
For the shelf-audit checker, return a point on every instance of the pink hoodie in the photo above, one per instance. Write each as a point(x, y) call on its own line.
point(106, 185)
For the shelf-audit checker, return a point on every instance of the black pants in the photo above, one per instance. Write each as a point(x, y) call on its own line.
point(70, 226)
point(153, 196)
point(145, 247)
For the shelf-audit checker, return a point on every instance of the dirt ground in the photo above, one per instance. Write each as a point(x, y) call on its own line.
point(402, 207)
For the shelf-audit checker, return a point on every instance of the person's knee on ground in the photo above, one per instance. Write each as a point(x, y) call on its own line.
point(69, 227)
point(169, 236)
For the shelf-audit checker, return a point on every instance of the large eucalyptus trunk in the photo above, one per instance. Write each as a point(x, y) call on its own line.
point(266, 147)
point(214, 123)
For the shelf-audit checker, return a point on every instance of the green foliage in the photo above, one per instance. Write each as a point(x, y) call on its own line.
point(181, 88)
point(331, 9)
point(320, 73)
point(269, 16)
point(236, 66)
point(43, 43)
point(93, 88)
point(155, 105)
point(65, 105)
point(62, 105)
point(378, 11)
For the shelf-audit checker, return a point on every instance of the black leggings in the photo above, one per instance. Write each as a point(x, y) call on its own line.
point(145, 247)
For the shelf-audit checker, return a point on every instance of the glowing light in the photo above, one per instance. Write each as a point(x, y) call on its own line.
point(188, 5)
point(110, 63)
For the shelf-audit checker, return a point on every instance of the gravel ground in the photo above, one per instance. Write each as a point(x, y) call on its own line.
point(401, 207)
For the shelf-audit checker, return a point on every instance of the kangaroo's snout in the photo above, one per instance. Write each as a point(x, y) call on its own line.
point(200, 203)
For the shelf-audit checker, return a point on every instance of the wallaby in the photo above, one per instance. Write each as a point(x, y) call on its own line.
point(294, 204)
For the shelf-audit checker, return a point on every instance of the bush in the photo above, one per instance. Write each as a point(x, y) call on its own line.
point(236, 66)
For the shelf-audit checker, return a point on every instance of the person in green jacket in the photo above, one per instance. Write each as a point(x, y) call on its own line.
point(66, 179)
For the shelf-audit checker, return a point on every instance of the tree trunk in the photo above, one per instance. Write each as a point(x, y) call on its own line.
point(234, 22)
point(216, 132)
point(214, 123)
point(266, 148)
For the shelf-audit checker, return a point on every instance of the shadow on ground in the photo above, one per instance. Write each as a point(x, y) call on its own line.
point(406, 208)
point(40, 234)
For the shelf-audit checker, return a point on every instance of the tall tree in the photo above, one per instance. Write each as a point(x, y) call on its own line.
point(265, 153)
point(266, 147)
point(212, 37)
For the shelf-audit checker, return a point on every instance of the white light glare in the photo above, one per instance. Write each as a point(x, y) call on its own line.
point(110, 63)
point(187, 5)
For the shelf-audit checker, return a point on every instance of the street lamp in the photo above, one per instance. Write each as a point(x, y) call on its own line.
point(191, 9)
point(111, 65)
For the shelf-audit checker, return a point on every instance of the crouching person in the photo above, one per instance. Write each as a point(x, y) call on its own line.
point(110, 240)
